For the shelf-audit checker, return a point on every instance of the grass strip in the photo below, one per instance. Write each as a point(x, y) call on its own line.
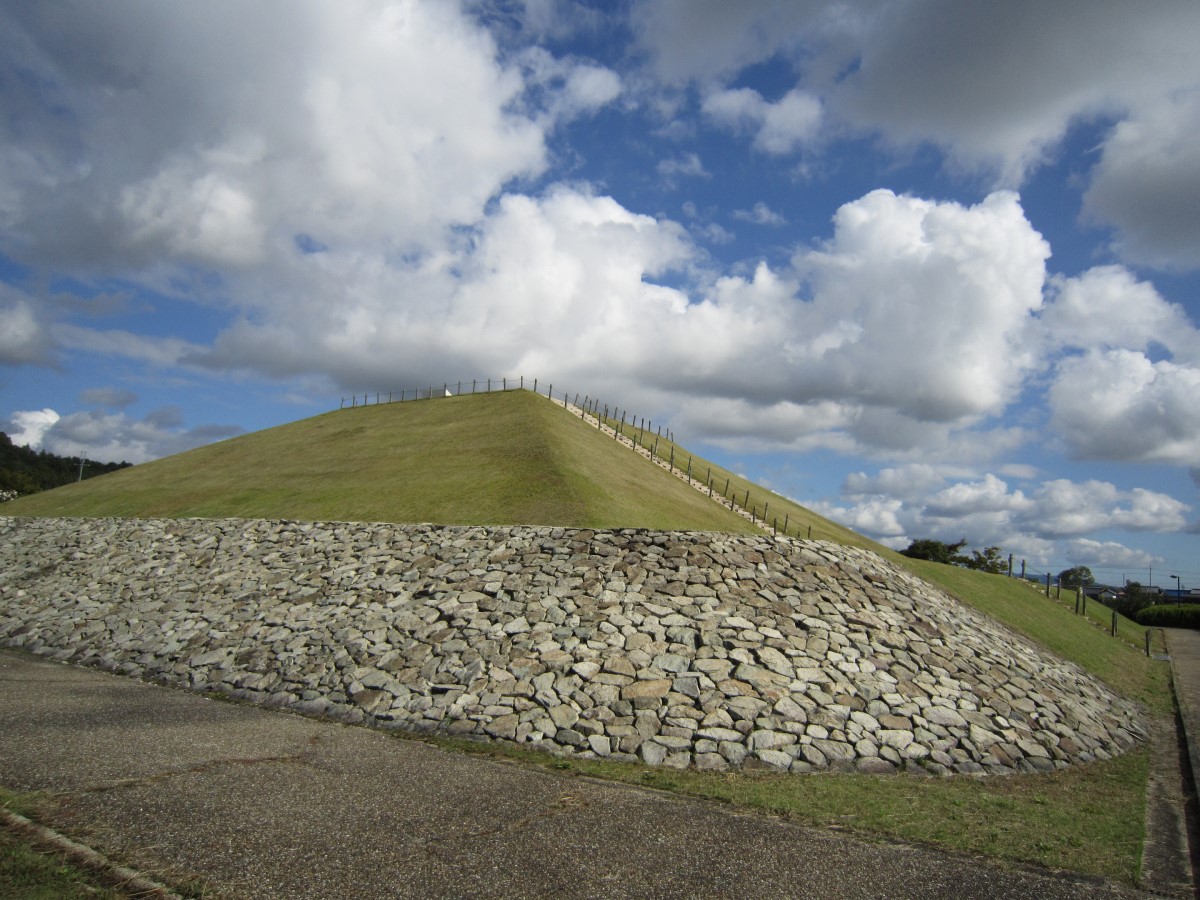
point(1087, 819)
point(30, 870)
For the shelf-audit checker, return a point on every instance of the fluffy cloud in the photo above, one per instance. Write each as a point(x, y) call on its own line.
point(997, 87)
point(1002, 83)
point(1118, 404)
point(23, 337)
point(26, 427)
point(559, 90)
point(780, 127)
point(1084, 551)
point(1107, 307)
point(688, 165)
point(760, 214)
point(113, 437)
point(1044, 523)
point(901, 272)
point(318, 121)
point(702, 39)
point(1119, 398)
point(109, 398)
point(1147, 183)
point(574, 287)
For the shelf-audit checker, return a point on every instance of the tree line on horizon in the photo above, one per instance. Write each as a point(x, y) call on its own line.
point(990, 559)
point(24, 470)
point(1128, 600)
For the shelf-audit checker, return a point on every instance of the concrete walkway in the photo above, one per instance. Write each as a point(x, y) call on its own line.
point(259, 803)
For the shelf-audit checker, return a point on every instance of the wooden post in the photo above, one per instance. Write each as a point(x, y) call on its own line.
point(522, 382)
point(786, 516)
point(472, 385)
point(710, 486)
point(672, 459)
point(689, 474)
point(1047, 585)
point(775, 525)
point(726, 491)
point(1147, 641)
point(489, 390)
point(504, 383)
point(746, 505)
point(752, 519)
point(810, 532)
point(460, 387)
point(1114, 623)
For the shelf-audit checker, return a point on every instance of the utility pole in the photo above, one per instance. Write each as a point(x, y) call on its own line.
point(82, 462)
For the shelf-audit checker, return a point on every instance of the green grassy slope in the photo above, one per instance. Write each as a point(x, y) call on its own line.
point(514, 458)
point(780, 511)
point(503, 458)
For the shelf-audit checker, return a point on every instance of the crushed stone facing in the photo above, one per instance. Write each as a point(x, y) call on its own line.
point(673, 648)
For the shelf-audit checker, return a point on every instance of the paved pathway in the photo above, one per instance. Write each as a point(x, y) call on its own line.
point(268, 804)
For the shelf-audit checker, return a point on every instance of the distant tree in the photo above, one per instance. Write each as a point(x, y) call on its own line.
point(27, 471)
point(936, 551)
point(1132, 599)
point(1076, 577)
point(990, 560)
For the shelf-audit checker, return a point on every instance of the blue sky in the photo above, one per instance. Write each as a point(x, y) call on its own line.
point(930, 268)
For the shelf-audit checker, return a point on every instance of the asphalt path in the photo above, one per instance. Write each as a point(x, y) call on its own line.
point(263, 803)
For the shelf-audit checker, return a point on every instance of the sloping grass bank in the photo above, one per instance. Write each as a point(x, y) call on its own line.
point(497, 459)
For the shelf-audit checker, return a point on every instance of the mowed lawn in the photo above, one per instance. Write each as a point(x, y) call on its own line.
point(495, 459)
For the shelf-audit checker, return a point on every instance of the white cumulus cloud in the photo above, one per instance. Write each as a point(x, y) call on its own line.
point(28, 426)
point(1121, 405)
point(779, 127)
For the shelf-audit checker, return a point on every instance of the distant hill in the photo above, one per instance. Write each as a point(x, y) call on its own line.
point(28, 471)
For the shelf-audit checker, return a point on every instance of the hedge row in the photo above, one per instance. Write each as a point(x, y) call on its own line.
point(1172, 615)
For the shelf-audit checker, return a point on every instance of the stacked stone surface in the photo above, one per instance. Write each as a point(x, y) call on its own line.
point(713, 650)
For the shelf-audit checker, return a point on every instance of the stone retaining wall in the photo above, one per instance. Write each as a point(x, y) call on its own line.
point(677, 649)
